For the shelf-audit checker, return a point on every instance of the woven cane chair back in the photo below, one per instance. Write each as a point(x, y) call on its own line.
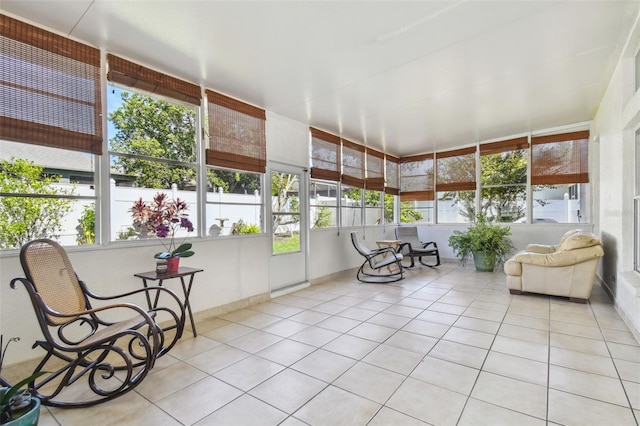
point(47, 266)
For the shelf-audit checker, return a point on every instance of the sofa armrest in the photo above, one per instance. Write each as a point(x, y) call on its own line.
point(559, 258)
point(541, 248)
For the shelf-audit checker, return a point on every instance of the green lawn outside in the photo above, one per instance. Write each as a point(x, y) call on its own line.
point(286, 244)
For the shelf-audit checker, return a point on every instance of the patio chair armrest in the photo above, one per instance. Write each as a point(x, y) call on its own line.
point(424, 245)
point(403, 245)
point(382, 250)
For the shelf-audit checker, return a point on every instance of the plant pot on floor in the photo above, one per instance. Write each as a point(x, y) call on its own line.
point(485, 262)
point(27, 416)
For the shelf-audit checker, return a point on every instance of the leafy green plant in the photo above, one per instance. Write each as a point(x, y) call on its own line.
point(322, 217)
point(24, 219)
point(15, 401)
point(482, 236)
point(87, 226)
point(244, 228)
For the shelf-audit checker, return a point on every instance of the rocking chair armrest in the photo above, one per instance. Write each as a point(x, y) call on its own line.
point(383, 250)
point(47, 310)
point(424, 245)
point(153, 332)
point(403, 245)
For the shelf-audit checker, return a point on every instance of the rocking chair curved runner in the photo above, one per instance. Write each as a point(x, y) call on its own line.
point(378, 260)
point(84, 346)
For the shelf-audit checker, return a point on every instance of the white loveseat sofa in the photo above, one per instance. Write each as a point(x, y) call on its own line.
point(567, 269)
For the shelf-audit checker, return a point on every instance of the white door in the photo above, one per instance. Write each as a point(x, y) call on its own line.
point(288, 226)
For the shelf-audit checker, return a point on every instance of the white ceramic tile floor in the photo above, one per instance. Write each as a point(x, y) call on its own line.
point(444, 346)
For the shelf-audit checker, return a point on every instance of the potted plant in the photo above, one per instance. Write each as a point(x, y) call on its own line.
point(163, 218)
point(488, 243)
point(17, 406)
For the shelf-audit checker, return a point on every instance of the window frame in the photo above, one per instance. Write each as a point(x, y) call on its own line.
point(111, 232)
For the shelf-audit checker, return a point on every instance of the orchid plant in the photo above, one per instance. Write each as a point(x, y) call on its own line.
point(162, 218)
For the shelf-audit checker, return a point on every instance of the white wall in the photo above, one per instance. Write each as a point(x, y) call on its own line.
point(613, 131)
point(234, 269)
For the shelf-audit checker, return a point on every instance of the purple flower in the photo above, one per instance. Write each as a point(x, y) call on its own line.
point(162, 230)
point(186, 223)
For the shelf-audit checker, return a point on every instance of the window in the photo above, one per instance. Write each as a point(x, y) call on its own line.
point(285, 210)
point(391, 188)
point(324, 204)
point(325, 175)
point(46, 193)
point(503, 180)
point(234, 202)
point(374, 214)
point(416, 189)
point(351, 202)
point(559, 177)
point(51, 130)
point(237, 147)
point(456, 184)
point(152, 142)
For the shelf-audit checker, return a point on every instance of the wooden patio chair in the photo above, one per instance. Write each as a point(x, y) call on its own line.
point(378, 260)
point(102, 352)
point(411, 246)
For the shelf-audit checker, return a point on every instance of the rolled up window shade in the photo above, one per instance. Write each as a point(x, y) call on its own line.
point(50, 90)
point(392, 175)
point(456, 170)
point(416, 178)
point(374, 170)
point(136, 76)
point(560, 159)
point(237, 137)
point(352, 164)
point(325, 155)
point(504, 146)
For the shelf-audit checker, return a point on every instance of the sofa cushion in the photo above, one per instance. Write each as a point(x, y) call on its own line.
point(579, 240)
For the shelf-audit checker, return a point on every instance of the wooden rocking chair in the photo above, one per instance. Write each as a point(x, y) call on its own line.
point(85, 346)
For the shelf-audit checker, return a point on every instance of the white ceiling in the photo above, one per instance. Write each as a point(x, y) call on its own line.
point(404, 77)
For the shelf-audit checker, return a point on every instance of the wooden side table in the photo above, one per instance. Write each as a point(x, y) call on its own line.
point(186, 287)
point(395, 244)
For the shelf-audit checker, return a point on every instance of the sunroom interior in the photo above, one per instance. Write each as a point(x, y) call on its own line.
point(405, 103)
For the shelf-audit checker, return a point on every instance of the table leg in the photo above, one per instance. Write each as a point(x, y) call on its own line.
point(155, 302)
point(187, 304)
